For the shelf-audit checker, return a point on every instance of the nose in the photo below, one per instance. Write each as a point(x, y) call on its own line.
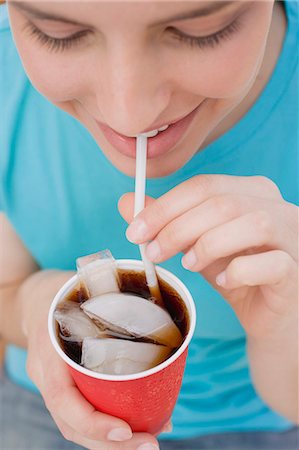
point(134, 90)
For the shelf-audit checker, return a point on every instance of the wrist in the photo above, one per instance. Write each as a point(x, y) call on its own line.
point(273, 363)
point(35, 297)
point(279, 349)
point(278, 337)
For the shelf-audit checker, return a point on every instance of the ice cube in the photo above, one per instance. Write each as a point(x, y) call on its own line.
point(121, 357)
point(98, 273)
point(74, 324)
point(135, 316)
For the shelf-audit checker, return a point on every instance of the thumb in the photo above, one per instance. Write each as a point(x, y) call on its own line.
point(126, 205)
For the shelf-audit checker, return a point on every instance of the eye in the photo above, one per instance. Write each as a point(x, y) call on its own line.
point(212, 40)
point(57, 44)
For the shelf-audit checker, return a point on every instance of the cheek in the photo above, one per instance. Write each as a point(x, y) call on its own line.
point(228, 70)
point(231, 73)
point(54, 75)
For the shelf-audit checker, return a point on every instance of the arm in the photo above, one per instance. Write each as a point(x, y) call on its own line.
point(22, 285)
point(25, 297)
point(242, 236)
point(274, 370)
point(16, 265)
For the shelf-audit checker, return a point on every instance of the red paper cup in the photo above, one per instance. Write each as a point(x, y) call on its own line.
point(144, 400)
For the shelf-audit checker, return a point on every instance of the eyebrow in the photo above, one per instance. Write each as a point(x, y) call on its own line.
point(206, 10)
point(43, 15)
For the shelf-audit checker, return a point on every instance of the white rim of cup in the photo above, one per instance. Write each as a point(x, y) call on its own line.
point(125, 264)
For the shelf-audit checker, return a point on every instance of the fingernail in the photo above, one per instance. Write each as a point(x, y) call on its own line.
point(119, 434)
point(136, 231)
point(189, 260)
point(153, 251)
point(148, 446)
point(221, 279)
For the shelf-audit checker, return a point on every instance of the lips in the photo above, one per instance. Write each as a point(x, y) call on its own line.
point(157, 145)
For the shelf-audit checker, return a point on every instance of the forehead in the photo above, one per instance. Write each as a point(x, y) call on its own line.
point(122, 9)
point(120, 2)
point(202, 3)
point(130, 15)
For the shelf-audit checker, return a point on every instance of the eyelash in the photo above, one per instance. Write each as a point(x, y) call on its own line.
point(60, 44)
point(57, 44)
point(207, 41)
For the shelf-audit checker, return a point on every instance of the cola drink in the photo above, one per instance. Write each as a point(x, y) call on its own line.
point(116, 379)
point(110, 324)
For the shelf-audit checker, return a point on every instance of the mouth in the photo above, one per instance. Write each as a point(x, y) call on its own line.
point(160, 141)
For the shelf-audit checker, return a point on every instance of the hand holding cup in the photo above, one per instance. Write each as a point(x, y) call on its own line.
point(76, 418)
point(145, 399)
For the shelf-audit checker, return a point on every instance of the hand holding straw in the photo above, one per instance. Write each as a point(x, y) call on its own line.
point(140, 180)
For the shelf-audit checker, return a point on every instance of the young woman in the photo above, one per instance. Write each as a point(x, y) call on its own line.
point(78, 82)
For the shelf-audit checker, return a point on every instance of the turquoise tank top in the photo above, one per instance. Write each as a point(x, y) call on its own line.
point(60, 193)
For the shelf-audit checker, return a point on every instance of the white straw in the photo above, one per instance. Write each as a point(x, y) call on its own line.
point(140, 180)
point(140, 174)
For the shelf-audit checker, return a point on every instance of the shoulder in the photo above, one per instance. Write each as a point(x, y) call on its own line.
point(292, 13)
point(12, 74)
point(13, 86)
point(6, 40)
point(11, 67)
point(292, 8)
point(4, 21)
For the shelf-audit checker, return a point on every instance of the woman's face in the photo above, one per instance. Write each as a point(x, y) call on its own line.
point(123, 68)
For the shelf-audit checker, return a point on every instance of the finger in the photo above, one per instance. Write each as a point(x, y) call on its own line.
point(64, 400)
point(191, 193)
point(135, 442)
point(126, 205)
point(250, 231)
point(167, 427)
point(274, 268)
point(72, 435)
point(82, 417)
point(185, 230)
